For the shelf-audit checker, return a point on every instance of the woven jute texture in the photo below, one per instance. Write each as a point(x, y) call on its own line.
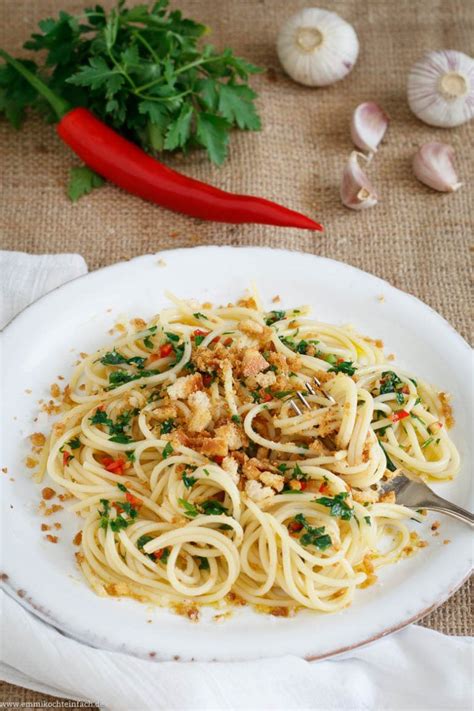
point(415, 238)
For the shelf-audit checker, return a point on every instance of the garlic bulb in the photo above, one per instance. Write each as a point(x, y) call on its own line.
point(433, 165)
point(317, 47)
point(441, 88)
point(368, 126)
point(357, 192)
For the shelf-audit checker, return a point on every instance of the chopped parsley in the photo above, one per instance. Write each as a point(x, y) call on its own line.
point(168, 449)
point(172, 336)
point(313, 536)
point(74, 443)
point(274, 316)
point(427, 442)
point(198, 339)
point(167, 426)
point(203, 563)
point(117, 523)
point(400, 398)
point(189, 509)
point(345, 366)
point(131, 455)
point(198, 314)
point(116, 429)
point(298, 474)
point(256, 397)
point(147, 342)
point(211, 507)
point(389, 382)
point(122, 487)
point(188, 481)
point(368, 520)
point(281, 394)
point(116, 358)
point(236, 418)
point(390, 465)
point(120, 377)
point(337, 505)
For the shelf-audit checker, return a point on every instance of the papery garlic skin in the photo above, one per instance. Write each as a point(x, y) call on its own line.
point(433, 165)
point(317, 47)
point(357, 192)
point(368, 126)
point(441, 88)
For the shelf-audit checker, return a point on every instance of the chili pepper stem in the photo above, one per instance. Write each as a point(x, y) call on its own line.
point(60, 106)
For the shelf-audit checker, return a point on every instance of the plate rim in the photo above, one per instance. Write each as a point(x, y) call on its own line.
point(223, 248)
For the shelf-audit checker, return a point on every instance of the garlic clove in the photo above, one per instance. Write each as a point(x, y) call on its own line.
point(441, 88)
point(317, 47)
point(368, 126)
point(357, 192)
point(433, 165)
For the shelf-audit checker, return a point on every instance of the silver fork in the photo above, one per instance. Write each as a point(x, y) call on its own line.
point(413, 494)
point(417, 495)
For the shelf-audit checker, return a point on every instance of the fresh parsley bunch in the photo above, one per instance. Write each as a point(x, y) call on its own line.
point(142, 71)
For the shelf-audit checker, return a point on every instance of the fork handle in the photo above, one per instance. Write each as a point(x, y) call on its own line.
point(437, 503)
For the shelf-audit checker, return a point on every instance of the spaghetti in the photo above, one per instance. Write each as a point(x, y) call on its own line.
point(196, 480)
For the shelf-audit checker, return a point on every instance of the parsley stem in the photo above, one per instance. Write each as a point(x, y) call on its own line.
point(147, 45)
point(60, 106)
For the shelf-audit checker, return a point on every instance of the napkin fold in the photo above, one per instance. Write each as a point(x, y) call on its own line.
point(415, 670)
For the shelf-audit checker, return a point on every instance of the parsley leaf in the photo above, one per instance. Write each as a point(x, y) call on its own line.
point(313, 536)
point(346, 366)
point(74, 443)
point(389, 381)
point(213, 508)
point(168, 449)
point(212, 132)
point(203, 563)
point(337, 505)
point(167, 425)
point(189, 509)
point(188, 481)
point(82, 180)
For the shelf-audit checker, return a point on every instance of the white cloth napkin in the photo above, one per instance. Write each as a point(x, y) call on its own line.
point(416, 669)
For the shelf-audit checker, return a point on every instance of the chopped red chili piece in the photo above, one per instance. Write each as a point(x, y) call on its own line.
point(266, 397)
point(218, 459)
point(399, 415)
point(304, 484)
point(67, 456)
point(216, 339)
point(165, 350)
point(200, 332)
point(295, 526)
point(206, 380)
point(113, 465)
point(324, 487)
point(133, 500)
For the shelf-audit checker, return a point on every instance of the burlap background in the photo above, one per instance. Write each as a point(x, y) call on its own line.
point(415, 238)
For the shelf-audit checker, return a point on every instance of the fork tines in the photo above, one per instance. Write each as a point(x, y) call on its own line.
point(311, 391)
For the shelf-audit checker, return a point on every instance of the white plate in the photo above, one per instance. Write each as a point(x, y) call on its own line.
point(37, 348)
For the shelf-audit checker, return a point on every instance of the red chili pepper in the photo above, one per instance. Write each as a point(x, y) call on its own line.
point(165, 350)
point(133, 500)
point(399, 415)
point(218, 459)
point(323, 488)
point(227, 342)
point(113, 465)
point(125, 164)
point(304, 484)
point(294, 526)
point(67, 456)
point(159, 553)
point(206, 380)
point(200, 332)
point(266, 397)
